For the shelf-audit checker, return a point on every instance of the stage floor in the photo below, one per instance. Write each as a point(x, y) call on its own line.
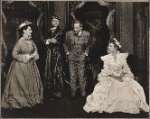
point(63, 108)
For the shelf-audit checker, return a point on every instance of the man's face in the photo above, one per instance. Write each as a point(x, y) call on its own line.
point(77, 27)
point(55, 22)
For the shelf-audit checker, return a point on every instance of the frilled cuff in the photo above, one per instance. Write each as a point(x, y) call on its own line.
point(35, 56)
point(21, 58)
point(47, 42)
point(128, 77)
point(127, 71)
point(106, 72)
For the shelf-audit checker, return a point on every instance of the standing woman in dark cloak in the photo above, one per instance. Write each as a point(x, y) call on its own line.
point(54, 71)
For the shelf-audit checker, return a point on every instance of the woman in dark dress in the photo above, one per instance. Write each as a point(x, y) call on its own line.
point(23, 84)
point(54, 71)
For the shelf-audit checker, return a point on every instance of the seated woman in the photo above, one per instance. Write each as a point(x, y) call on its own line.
point(23, 84)
point(116, 91)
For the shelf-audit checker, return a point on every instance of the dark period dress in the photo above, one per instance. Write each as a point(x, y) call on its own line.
point(23, 85)
point(54, 64)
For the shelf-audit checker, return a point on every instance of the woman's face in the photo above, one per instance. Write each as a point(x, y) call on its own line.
point(28, 31)
point(55, 22)
point(111, 48)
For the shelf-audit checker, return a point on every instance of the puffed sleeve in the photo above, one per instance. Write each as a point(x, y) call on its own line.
point(16, 55)
point(106, 71)
point(126, 68)
point(35, 53)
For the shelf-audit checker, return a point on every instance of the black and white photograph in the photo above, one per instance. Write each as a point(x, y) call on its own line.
point(74, 59)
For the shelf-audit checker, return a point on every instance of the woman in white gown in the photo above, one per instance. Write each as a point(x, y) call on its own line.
point(116, 91)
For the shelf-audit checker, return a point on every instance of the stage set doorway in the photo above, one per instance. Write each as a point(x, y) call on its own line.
point(130, 26)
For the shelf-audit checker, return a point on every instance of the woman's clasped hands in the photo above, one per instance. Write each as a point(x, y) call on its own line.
point(118, 77)
point(28, 57)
